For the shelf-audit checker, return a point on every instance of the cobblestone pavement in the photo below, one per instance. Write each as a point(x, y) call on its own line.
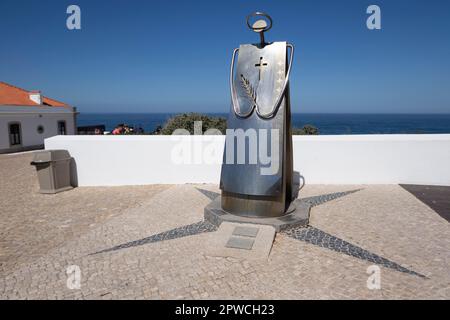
point(379, 221)
point(32, 224)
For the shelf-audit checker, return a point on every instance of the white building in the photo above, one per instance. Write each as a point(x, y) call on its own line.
point(27, 118)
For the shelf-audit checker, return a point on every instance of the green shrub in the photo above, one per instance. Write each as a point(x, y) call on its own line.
point(186, 121)
point(307, 130)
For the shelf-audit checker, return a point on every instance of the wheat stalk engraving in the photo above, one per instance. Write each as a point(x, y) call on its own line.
point(249, 90)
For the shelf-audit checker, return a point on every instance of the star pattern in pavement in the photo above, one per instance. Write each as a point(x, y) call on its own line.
point(307, 234)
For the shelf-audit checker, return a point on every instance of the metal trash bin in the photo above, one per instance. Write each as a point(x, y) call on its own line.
point(53, 170)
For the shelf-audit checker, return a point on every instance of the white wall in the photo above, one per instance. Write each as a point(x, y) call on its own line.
point(363, 159)
point(30, 118)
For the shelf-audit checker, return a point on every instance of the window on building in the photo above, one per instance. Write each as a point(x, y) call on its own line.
point(62, 128)
point(15, 137)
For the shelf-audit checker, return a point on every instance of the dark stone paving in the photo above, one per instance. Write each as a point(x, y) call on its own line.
point(184, 231)
point(210, 194)
point(318, 200)
point(322, 239)
point(436, 197)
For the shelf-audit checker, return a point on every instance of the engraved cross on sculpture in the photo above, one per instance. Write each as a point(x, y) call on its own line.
point(260, 65)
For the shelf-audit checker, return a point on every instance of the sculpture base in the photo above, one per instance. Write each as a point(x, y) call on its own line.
point(298, 215)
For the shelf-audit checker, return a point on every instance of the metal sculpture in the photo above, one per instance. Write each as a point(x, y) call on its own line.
point(257, 178)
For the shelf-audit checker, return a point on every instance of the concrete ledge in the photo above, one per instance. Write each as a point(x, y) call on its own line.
point(217, 246)
point(299, 217)
point(351, 159)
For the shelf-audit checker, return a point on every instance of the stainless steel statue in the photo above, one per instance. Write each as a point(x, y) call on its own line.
point(257, 178)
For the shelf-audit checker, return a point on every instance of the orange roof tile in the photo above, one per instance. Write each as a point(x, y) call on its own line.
point(12, 95)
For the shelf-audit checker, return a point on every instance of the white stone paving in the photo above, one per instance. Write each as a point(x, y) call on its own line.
point(385, 220)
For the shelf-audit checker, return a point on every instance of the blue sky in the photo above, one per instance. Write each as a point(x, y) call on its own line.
point(174, 56)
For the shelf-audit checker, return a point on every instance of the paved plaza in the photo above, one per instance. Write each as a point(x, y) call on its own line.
point(151, 242)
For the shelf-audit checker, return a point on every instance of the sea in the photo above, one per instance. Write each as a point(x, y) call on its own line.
point(328, 124)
